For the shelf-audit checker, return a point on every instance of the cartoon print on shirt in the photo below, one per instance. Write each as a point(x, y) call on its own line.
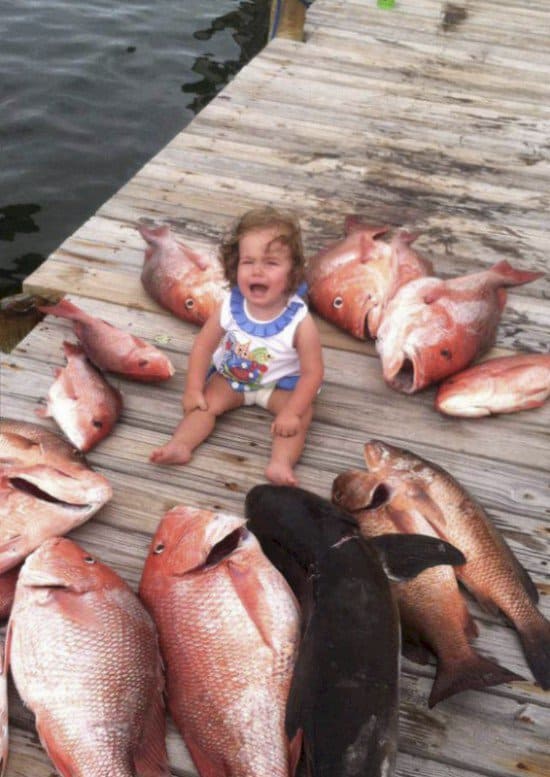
point(243, 367)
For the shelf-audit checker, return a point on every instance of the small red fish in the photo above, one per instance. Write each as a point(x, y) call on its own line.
point(84, 657)
point(432, 609)
point(351, 281)
point(228, 628)
point(112, 349)
point(503, 385)
point(81, 401)
point(46, 489)
point(433, 328)
point(178, 278)
point(492, 573)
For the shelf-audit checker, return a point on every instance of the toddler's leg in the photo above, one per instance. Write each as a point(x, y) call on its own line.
point(197, 425)
point(285, 451)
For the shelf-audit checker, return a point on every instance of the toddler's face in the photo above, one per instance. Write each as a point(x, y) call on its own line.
point(264, 266)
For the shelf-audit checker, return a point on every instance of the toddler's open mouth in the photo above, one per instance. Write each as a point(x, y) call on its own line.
point(258, 288)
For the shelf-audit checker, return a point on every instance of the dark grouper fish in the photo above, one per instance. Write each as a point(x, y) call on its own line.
point(344, 692)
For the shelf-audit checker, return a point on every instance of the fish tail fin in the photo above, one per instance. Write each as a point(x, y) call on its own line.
point(408, 237)
point(64, 309)
point(354, 223)
point(535, 640)
point(154, 235)
point(71, 349)
point(509, 276)
point(470, 673)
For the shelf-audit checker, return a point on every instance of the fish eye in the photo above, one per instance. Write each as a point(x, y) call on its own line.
point(189, 303)
point(159, 548)
point(337, 302)
point(89, 559)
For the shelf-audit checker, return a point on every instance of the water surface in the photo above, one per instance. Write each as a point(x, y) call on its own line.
point(90, 91)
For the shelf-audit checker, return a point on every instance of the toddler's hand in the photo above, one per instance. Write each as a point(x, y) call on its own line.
point(286, 424)
point(193, 400)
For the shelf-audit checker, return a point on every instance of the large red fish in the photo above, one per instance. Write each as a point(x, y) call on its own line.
point(81, 401)
point(351, 281)
point(84, 656)
point(492, 573)
point(431, 607)
point(178, 278)
point(46, 489)
point(433, 328)
point(503, 385)
point(228, 627)
point(111, 349)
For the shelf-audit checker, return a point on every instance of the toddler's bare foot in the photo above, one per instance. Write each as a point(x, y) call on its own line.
point(171, 453)
point(280, 473)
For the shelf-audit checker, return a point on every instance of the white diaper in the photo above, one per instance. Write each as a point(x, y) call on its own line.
point(259, 397)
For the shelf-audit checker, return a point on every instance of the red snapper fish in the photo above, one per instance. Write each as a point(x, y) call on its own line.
point(84, 657)
point(503, 385)
point(178, 278)
point(228, 628)
point(112, 349)
point(433, 328)
point(46, 489)
point(81, 401)
point(431, 607)
point(492, 573)
point(351, 281)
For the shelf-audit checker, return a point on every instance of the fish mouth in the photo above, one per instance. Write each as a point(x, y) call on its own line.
point(221, 550)
point(225, 547)
point(378, 498)
point(405, 378)
point(25, 486)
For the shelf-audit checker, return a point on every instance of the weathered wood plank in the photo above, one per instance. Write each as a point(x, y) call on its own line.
point(423, 117)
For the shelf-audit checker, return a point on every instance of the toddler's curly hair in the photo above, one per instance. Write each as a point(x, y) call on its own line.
point(260, 218)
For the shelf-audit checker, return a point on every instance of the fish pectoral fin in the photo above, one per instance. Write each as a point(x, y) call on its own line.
point(58, 755)
point(204, 765)
point(406, 555)
point(151, 757)
point(425, 505)
point(252, 594)
point(12, 551)
point(295, 751)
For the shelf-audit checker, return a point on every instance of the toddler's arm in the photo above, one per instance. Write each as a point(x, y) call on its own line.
point(200, 359)
point(308, 346)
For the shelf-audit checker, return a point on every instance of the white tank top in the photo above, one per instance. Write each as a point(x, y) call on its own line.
point(258, 354)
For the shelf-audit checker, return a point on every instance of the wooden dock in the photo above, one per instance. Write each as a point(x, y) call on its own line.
point(434, 116)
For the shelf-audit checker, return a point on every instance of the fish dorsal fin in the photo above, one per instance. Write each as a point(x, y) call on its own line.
point(406, 555)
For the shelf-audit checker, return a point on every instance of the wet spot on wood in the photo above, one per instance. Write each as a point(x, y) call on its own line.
point(453, 15)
